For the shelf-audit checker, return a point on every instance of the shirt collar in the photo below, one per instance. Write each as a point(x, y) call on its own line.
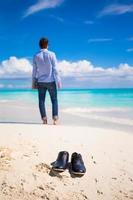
point(44, 50)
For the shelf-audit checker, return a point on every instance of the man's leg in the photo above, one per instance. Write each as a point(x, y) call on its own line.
point(41, 96)
point(53, 95)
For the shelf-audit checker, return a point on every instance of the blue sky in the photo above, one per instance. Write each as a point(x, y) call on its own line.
point(70, 26)
point(97, 31)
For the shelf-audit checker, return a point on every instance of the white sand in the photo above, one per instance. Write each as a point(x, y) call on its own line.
point(26, 152)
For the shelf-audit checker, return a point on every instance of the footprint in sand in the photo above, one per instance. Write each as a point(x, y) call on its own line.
point(5, 158)
point(44, 168)
point(77, 195)
point(15, 192)
point(45, 191)
point(6, 189)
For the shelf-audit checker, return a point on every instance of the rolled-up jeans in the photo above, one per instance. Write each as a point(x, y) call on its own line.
point(52, 89)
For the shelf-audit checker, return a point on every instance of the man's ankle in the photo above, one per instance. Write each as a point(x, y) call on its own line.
point(44, 119)
point(55, 121)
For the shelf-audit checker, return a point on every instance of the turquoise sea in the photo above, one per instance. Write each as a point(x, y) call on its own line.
point(90, 107)
point(77, 98)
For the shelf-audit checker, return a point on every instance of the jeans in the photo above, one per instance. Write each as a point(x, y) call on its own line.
point(42, 88)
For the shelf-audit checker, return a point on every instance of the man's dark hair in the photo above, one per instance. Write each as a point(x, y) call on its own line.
point(43, 43)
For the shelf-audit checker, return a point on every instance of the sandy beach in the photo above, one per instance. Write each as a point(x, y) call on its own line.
point(66, 84)
point(27, 151)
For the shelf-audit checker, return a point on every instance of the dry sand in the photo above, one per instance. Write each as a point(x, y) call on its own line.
point(27, 151)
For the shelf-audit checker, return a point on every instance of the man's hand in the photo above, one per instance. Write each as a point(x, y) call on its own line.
point(59, 85)
point(34, 85)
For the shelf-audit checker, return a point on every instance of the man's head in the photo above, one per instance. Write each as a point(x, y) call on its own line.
point(43, 43)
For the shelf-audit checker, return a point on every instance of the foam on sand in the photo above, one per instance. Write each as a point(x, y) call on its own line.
point(104, 114)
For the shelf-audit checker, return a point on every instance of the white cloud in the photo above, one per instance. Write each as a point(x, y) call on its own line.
point(84, 68)
point(14, 67)
point(130, 50)
point(74, 68)
point(116, 9)
point(81, 73)
point(41, 5)
point(99, 40)
point(60, 19)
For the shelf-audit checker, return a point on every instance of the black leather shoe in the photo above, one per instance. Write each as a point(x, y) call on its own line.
point(62, 161)
point(77, 164)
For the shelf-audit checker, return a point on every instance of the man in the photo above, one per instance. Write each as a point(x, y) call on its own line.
point(46, 75)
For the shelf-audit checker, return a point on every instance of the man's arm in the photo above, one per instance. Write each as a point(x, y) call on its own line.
point(55, 71)
point(34, 74)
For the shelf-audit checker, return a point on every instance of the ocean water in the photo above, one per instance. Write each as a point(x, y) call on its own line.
point(93, 107)
point(75, 98)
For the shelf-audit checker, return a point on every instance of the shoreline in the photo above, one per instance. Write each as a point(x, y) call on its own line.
point(115, 118)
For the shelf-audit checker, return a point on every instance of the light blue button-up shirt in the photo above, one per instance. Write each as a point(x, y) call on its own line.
point(45, 67)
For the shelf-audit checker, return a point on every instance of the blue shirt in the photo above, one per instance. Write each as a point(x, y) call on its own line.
point(45, 67)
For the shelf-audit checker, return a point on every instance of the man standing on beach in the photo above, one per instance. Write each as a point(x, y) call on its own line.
point(45, 77)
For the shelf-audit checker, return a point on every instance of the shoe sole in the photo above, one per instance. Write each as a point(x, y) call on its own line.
point(77, 173)
point(58, 170)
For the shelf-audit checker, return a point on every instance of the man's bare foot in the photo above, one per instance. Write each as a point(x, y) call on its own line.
point(55, 122)
point(45, 121)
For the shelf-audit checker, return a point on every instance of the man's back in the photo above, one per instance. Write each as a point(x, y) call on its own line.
point(44, 62)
